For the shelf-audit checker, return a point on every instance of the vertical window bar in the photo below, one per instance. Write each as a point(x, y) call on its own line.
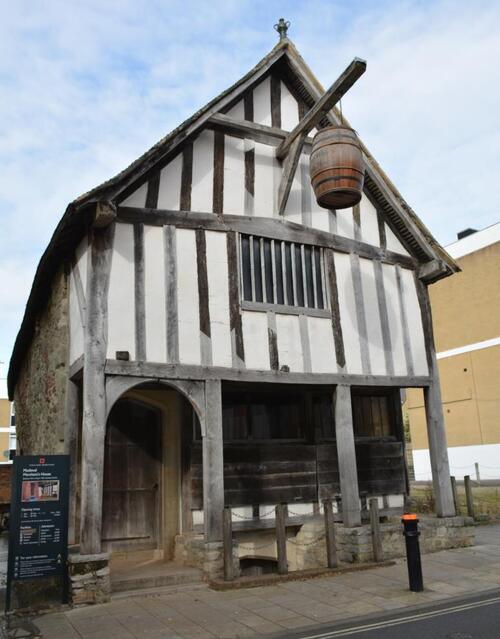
point(315, 291)
point(252, 268)
point(273, 268)
point(304, 279)
point(263, 270)
point(294, 276)
point(283, 273)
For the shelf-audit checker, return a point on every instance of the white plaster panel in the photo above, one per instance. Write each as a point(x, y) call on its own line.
point(255, 340)
point(237, 111)
point(394, 317)
point(414, 318)
point(289, 342)
point(393, 243)
point(319, 215)
point(264, 180)
point(169, 192)
point(348, 318)
point(75, 321)
point(289, 109)
point(154, 291)
point(218, 298)
point(121, 306)
point(203, 172)
point(234, 175)
point(187, 298)
point(323, 359)
point(369, 222)
point(345, 223)
point(373, 322)
point(137, 198)
point(81, 254)
point(262, 102)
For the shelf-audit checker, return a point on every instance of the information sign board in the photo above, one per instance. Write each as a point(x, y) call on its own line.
point(38, 527)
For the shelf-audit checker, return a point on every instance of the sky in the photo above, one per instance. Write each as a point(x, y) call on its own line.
point(87, 86)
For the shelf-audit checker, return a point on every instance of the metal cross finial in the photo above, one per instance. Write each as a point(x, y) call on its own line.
point(282, 27)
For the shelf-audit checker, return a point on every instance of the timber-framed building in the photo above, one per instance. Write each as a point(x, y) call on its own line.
point(191, 348)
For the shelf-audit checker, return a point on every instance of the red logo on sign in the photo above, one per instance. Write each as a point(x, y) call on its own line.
point(42, 460)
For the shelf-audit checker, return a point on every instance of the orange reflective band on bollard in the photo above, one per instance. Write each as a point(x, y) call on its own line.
point(409, 517)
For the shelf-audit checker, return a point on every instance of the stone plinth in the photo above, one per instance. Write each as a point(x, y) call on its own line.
point(89, 579)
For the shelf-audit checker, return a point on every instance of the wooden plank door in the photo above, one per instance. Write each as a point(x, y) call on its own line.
point(132, 468)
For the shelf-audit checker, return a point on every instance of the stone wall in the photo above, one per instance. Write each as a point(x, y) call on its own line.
point(41, 386)
point(89, 579)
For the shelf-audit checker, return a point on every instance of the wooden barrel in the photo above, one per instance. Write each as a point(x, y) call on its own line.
point(337, 168)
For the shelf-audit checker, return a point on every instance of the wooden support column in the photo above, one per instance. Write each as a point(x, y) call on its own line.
point(71, 437)
point(346, 452)
point(436, 433)
point(213, 462)
point(94, 395)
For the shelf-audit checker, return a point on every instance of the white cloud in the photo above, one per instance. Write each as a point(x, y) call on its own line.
point(87, 87)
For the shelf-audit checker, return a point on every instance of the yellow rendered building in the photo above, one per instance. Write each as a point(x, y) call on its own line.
point(466, 318)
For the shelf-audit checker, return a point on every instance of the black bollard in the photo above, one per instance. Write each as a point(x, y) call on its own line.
point(410, 523)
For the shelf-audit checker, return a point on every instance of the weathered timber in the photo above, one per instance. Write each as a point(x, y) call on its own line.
point(235, 325)
point(104, 214)
point(331, 284)
point(384, 317)
point(436, 433)
point(263, 227)
point(275, 101)
point(343, 83)
point(289, 168)
point(213, 462)
point(431, 271)
point(378, 553)
point(284, 308)
point(360, 313)
point(94, 398)
point(204, 311)
point(76, 368)
point(404, 322)
point(248, 106)
point(71, 446)
point(331, 547)
point(218, 187)
point(186, 177)
point(80, 293)
point(187, 371)
point(381, 229)
point(153, 190)
point(249, 181)
point(139, 293)
point(455, 493)
point(468, 496)
point(281, 539)
point(305, 343)
point(258, 132)
point(228, 545)
point(351, 511)
point(171, 314)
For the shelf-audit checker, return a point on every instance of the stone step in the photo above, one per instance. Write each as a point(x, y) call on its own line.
point(157, 575)
point(155, 592)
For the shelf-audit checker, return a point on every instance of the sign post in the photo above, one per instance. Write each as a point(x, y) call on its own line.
point(38, 539)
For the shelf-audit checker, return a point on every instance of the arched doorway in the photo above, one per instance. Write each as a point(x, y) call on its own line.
point(132, 477)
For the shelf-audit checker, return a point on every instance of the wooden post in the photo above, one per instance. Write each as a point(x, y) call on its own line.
point(378, 553)
point(71, 437)
point(281, 539)
point(455, 494)
point(346, 453)
point(468, 496)
point(94, 394)
point(478, 476)
point(436, 433)
point(228, 545)
point(213, 462)
point(331, 548)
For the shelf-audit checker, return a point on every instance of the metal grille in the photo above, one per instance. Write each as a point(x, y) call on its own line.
point(284, 273)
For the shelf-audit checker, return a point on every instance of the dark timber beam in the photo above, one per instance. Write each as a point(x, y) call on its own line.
point(187, 371)
point(327, 101)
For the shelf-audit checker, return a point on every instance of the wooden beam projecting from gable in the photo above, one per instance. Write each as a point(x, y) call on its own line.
point(290, 149)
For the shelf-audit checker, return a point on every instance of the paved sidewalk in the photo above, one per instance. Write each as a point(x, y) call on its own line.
point(200, 613)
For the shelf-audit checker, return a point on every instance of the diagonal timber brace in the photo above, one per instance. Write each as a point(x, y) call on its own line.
point(290, 148)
